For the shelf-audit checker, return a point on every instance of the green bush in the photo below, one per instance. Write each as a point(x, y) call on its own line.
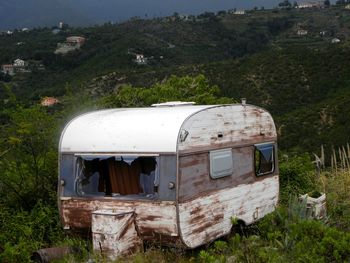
point(297, 176)
point(23, 232)
point(196, 89)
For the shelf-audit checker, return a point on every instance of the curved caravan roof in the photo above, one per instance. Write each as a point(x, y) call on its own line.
point(156, 129)
point(127, 130)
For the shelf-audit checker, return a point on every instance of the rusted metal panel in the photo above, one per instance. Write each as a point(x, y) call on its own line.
point(228, 126)
point(152, 218)
point(114, 233)
point(208, 217)
point(194, 178)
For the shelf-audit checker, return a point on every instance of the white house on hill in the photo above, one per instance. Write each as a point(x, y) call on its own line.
point(19, 63)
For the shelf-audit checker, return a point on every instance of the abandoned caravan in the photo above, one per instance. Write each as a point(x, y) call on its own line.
point(174, 173)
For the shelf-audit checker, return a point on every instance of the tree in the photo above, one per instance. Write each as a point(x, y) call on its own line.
point(28, 168)
point(327, 3)
point(285, 4)
point(187, 88)
point(5, 77)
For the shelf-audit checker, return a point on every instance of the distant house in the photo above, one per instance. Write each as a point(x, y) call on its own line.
point(239, 12)
point(302, 32)
point(9, 32)
point(309, 5)
point(49, 101)
point(140, 59)
point(184, 17)
point(347, 7)
point(8, 69)
point(25, 29)
point(62, 25)
point(75, 40)
point(335, 40)
point(18, 63)
point(323, 33)
point(72, 43)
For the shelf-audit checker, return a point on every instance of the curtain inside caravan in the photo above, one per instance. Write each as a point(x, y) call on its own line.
point(113, 176)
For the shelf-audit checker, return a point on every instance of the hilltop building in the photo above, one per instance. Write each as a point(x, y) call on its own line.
point(62, 25)
point(302, 32)
point(75, 40)
point(72, 43)
point(310, 5)
point(140, 59)
point(239, 12)
point(8, 69)
point(19, 63)
point(49, 101)
point(20, 66)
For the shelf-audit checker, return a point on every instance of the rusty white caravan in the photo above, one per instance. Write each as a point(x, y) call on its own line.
point(175, 174)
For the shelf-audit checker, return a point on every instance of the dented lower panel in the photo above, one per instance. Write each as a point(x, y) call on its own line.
point(114, 233)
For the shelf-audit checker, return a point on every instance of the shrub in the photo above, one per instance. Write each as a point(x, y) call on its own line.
point(23, 232)
point(297, 176)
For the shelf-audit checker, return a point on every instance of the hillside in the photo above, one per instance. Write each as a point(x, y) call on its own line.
point(293, 62)
point(258, 55)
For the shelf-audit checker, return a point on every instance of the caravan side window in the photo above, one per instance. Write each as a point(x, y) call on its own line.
point(264, 159)
point(116, 175)
point(221, 163)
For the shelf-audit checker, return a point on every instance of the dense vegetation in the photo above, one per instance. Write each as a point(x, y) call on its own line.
point(302, 80)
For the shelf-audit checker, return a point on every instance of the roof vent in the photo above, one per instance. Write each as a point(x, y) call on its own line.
point(173, 104)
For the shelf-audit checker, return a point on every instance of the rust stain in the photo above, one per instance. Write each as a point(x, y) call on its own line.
point(152, 217)
point(195, 210)
point(202, 227)
point(197, 219)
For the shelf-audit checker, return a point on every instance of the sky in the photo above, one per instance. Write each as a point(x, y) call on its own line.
point(40, 13)
point(100, 10)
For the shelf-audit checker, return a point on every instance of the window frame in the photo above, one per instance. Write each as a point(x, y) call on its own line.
point(87, 157)
point(256, 148)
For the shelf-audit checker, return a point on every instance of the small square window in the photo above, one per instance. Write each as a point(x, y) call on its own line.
point(264, 159)
point(221, 163)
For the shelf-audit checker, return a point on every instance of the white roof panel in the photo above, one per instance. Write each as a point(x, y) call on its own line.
point(127, 130)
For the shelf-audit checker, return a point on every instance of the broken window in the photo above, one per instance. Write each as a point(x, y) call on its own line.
point(264, 159)
point(116, 175)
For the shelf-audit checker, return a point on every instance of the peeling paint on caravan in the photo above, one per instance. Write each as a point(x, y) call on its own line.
point(176, 175)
